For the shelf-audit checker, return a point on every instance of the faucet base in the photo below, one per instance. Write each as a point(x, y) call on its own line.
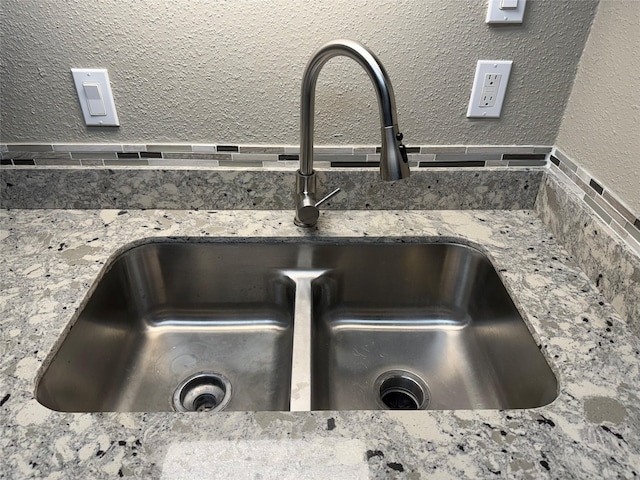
point(307, 212)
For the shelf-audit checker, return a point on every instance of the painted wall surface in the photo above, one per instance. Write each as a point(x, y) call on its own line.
point(601, 126)
point(223, 71)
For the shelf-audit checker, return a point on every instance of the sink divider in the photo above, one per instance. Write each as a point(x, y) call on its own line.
point(300, 396)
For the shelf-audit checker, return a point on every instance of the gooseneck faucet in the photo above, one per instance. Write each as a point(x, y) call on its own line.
point(393, 156)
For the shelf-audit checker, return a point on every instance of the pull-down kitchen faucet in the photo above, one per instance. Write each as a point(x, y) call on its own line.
point(393, 156)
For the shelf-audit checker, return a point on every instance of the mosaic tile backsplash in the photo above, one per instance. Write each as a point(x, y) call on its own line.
point(187, 155)
point(604, 203)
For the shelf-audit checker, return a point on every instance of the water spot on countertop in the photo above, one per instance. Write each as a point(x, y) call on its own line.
point(32, 414)
point(26, 368)
point(604, 409)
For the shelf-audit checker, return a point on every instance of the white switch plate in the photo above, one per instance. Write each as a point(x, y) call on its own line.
point(99, 108)
point(500, 11)
point(489, 88)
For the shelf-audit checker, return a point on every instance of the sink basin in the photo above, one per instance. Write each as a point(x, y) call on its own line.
point(164, 312)
point(422, 326)
point(346, 325)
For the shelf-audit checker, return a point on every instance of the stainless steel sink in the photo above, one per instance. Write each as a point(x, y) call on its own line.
point(422, 326)
point(167, 311)
point(297, 326)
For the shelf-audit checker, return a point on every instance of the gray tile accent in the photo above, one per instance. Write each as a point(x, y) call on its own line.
point(633, 231)
point(443, 149)
point(544, 150)
point(617, 205)
point(499, 149)
point(94, 155)
point(87, 147)
point(564, 159)
point(57, 161)
point(134, 147)
point(421, 157)
point(126, 162)
point(36, 155)
point(203, 148)
point(266, 149)
point(497, 163)
point(364, 149)
point(92, 163)
point(166, 162)
point(254, 157)
point(583, 175)
point(333, 150)
point(340, 158)
point(613, 213)
point(453, 157)
point(224, 163)
point(284, 165)
point(198, 156)
point(292, 149)
point(596, 208)
point(29, 147)
point(527, 163)
point(622, 233)
point(168, 147)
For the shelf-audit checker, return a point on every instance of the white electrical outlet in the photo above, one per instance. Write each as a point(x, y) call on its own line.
point(489, 88)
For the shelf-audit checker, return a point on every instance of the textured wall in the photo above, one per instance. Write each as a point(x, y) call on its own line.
point(601, 127)
point(222, 71)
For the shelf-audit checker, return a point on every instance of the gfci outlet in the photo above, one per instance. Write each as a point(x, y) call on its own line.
point(489, 88)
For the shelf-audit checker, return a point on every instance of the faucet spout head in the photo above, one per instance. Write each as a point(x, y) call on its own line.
point(394, 164)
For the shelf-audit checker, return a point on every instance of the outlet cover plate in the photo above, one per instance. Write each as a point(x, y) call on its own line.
point(476, 105)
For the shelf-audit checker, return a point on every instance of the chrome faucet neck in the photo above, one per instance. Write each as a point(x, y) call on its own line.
point(393, 158)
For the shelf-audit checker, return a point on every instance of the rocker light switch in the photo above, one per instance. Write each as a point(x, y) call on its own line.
point(96, 98)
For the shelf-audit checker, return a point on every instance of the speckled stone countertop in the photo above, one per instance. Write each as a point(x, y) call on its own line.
point(50, 258)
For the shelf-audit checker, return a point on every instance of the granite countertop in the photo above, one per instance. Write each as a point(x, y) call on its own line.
point(50, 258)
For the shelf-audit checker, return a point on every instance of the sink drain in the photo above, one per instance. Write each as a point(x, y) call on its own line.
point(202, 392)
point(401, 390)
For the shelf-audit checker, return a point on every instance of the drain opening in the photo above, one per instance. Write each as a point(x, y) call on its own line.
point(401, 390)
point(202, 392)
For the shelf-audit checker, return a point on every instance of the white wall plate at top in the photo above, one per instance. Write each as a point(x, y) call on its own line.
point(505, 11)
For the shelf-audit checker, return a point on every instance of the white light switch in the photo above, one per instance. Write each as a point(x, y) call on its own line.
point(505, 11)
point(507, 4)
point(96, 98)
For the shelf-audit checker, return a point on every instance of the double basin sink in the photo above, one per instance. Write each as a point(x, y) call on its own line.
point(347, 325)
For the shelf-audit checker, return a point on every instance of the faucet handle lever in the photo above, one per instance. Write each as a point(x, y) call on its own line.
point(327, 197)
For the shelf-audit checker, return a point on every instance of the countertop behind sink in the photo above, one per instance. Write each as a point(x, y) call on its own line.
point(51, 257)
